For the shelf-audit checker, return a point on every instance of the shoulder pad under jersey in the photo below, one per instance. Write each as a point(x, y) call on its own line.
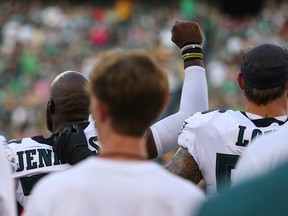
point(202, 118)
point(16, 141)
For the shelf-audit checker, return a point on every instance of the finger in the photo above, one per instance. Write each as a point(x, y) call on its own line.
point(175, 23)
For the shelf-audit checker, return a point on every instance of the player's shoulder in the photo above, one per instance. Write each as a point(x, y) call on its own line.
point(210, 114)
point(16, 144)
point(14, 141)
point(203, 118)
point(90, 127)
point(30, 141)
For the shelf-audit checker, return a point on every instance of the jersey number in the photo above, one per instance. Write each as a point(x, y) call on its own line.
point(224, 165)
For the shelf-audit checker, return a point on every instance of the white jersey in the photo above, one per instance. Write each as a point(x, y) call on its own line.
point(262, 156)
point(103, 187)
point(7, 194)
point(35, 158)
point(217, 138)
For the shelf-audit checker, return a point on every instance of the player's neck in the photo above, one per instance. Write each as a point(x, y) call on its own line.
point(117, 146)
point(273, 109)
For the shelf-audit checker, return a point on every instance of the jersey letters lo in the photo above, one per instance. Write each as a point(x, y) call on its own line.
point(217, 138)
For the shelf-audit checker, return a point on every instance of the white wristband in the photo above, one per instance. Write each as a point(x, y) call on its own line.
point(191, 46)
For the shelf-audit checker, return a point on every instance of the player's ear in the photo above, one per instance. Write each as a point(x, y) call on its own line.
point(240, 80)
point(51, 106)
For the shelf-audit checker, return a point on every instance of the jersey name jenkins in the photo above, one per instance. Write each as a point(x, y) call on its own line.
point(36, 158)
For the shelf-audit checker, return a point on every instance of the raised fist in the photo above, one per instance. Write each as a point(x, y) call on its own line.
point(186, 32)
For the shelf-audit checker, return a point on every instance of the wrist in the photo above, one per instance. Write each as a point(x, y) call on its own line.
point(190, 43)
point(192, 55)
point(191, 46)
point(193, 63)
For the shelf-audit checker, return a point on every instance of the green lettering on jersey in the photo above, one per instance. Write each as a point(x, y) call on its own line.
point(45, 157)
point(29, 158)
point(240, 140)
point(255, 133)
point(57, 161)
point(20, 161)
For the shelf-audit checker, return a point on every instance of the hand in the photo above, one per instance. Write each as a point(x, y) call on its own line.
point(186, 32)
point(69, 143)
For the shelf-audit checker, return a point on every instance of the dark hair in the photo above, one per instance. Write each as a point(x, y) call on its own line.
point(134, 89)
point(263, 96)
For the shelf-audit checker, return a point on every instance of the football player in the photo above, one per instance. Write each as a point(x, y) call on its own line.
point(211, 142)
point(35, 156)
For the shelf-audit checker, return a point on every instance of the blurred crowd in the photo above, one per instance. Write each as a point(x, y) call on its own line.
point(38, 41)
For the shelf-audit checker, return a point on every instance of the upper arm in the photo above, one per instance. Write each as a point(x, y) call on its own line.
point(183, 164)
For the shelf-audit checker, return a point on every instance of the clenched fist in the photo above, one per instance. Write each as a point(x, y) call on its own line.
point(186, 32)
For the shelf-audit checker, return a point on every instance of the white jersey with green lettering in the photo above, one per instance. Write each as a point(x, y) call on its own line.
point(217, 138)
point(35, 158)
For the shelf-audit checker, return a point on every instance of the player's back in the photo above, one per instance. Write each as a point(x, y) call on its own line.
point(35, 158)
point(216, 139)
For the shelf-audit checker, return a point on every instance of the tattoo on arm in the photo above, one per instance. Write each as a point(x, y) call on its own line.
point(184, 165)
